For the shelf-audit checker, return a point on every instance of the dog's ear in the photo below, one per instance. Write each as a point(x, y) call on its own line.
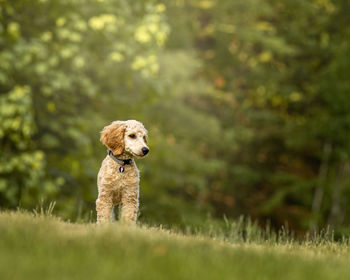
point(112, 136)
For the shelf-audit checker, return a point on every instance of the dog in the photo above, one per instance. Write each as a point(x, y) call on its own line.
point(118, 179)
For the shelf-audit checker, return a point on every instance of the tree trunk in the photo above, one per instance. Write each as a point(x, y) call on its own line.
point(319, 191)
point(335, 215)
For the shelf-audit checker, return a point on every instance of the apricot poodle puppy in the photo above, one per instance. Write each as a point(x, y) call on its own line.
point(118, 178)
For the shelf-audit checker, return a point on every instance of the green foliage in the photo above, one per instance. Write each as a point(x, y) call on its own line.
point(279, 93)
point(63, 64)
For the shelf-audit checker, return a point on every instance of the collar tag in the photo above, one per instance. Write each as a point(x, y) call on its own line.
point(121, 169)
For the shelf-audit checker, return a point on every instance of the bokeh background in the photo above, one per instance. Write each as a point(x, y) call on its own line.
point(246, 102)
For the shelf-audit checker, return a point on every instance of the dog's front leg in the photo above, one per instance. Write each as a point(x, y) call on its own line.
point(104, 208)
point(130, 204)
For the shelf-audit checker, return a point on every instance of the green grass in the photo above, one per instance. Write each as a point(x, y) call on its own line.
point(43, 247)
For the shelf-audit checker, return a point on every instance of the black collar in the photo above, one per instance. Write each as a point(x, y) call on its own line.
point(121, 162)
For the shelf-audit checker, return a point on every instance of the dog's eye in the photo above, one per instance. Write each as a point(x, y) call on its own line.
point(145, 139)
point(133, 136)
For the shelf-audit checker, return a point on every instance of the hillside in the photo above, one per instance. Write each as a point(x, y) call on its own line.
point(41, 247)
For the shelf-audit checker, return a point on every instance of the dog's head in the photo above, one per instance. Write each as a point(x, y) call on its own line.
point(126, 138)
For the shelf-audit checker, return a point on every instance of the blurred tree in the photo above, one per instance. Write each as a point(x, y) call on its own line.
point(180, 170)
point(280, 96)
point(63, 64)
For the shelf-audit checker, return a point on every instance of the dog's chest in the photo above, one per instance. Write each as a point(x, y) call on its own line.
point(110, 177)
point(129, 177)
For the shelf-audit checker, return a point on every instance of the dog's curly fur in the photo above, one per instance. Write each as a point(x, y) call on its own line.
point(126, 140)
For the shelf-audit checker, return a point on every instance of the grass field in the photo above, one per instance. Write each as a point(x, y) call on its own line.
point(43, 247)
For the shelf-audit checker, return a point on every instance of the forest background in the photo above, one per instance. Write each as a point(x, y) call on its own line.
point(246, 102)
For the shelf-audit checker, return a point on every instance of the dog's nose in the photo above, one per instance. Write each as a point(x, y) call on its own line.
point(145, 150)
